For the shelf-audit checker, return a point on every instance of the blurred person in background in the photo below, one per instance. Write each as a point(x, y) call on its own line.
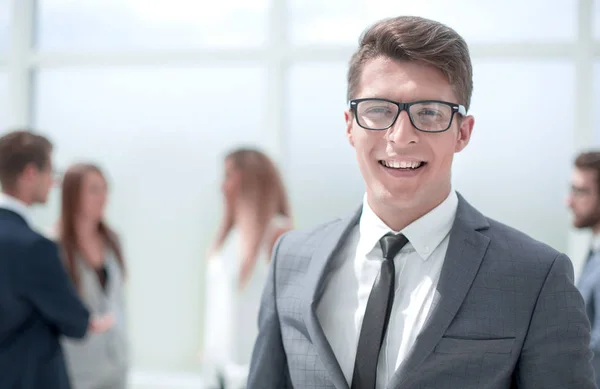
point(93, 257)
point(256, 213)
point(38, 303)
point(584, 202)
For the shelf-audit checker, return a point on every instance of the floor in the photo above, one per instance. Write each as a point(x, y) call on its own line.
point(166, 380)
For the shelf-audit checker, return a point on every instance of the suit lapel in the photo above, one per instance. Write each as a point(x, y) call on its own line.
point(321, 261)
point(466, 249)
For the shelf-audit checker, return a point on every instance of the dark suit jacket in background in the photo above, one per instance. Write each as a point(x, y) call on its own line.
point(38, 303)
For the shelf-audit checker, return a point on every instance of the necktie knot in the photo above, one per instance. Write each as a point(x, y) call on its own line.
point(391, 244)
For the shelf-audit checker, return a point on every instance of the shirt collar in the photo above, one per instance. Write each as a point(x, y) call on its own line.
point(424, 234)
point(595, 245)
point(13, 204)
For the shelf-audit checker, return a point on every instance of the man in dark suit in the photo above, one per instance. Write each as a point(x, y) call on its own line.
point(38, 302)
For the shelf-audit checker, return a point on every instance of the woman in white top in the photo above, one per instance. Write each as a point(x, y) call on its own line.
point(256, 213)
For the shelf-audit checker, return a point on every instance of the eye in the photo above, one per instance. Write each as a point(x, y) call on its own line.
point(429, 112)
point(378, 110)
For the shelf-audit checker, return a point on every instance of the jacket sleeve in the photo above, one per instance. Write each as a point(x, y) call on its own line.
point(268, 368)
point(556, 353)
point(47, 287)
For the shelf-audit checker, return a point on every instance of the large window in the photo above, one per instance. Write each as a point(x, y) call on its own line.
point(517, 146)
point(596, 19)
point(341, 21)
point(129, 84)
point(109, 25)
point(4, 26)
point(516, 167)
point(160, 134)
point(596, 103)
point(3, 100)
point(324, 179)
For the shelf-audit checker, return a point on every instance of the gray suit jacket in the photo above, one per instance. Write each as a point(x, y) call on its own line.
point(506, 315)
point(589, 286)
point(100, 360)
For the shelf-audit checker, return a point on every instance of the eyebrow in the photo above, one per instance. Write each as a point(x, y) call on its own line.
point(580, 188)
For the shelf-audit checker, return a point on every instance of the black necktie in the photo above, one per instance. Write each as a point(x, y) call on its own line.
point(377, 315)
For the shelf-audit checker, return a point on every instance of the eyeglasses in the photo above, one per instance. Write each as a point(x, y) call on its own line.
point(425, 115)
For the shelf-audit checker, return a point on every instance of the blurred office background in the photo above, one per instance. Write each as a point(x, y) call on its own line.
point(157, 90)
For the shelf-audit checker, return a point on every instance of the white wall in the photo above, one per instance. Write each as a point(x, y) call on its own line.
point(157, 91)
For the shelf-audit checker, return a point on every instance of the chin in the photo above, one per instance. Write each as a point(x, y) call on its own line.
point(581, 223)
point(396, 197)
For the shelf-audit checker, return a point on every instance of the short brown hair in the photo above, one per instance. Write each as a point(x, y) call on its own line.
point(590, 160)
point(415, 39)
point(18, 149)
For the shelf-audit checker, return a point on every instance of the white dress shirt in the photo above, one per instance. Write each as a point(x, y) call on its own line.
point(418, 266)
point(15, 205)
point(595, 244)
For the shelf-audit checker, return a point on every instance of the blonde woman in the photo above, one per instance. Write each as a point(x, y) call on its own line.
point(256, 213)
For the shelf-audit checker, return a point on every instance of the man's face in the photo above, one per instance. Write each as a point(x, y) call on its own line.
point(421, 187)
point(583, 200)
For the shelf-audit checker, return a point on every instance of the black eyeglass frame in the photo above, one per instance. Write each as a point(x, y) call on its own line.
point(456, 108)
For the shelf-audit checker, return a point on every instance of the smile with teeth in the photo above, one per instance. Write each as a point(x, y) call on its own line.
point(402, 164)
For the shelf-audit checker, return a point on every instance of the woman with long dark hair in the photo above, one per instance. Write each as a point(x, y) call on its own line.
point(94, 261)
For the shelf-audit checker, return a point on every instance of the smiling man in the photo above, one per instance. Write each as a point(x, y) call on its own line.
point(416, 288)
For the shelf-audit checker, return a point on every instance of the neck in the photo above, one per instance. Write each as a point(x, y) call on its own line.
point(596, 230)
point(19, 196)
point(398, 218)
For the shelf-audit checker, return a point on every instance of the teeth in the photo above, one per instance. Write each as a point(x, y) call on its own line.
point(402, 164)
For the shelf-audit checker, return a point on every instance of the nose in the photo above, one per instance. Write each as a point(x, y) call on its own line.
point(569, 200)
point(403, 132)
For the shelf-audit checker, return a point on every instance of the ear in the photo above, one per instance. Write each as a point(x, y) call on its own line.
point(29, 172)
point(464, 133)
point(349, 119)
